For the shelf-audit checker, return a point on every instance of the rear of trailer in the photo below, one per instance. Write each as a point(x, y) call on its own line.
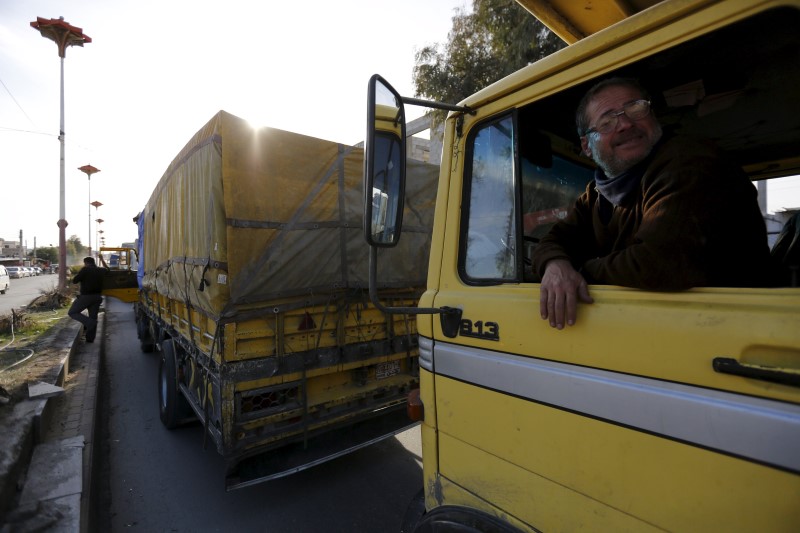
point(253, 287)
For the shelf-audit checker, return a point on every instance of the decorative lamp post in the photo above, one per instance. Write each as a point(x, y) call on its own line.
point(64, 35)
point(96, 205)
point(97, 236)
point(89, 170)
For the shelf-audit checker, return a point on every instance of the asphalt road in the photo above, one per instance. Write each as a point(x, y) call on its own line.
point(154, 479)
point(21, 291)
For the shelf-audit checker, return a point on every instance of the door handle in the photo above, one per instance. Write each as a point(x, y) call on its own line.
point(728, 365)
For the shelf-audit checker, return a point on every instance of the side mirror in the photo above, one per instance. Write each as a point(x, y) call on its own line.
point(385, 187)
point(384, 164)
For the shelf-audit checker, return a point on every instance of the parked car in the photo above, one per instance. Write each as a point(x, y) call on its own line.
point(15, 272)
point(4, 280)
point(37, 271)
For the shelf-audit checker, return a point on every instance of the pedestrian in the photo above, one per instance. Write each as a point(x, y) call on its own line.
point(91, 279)
point(664, 212)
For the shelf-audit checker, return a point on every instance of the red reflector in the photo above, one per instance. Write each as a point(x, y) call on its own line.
point(416, 411)
point(307, 323)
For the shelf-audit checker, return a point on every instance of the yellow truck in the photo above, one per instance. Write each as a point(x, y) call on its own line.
point(120, 281)
point(656, 411)
point(253, 287)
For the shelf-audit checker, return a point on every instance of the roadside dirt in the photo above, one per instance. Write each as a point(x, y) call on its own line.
point(43, 365)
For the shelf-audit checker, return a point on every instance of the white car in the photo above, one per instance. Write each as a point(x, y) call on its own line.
point(4, 280)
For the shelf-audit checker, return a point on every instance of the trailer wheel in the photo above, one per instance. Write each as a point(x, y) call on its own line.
point(146, 343)
point(173, 407)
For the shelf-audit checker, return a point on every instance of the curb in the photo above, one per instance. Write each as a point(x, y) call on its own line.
point(47, 478)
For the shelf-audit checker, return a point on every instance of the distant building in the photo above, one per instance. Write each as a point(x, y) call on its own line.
point(10, 249)
point(421, 149)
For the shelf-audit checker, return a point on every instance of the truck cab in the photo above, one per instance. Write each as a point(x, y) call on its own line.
point(120, 281)
point(657, 411)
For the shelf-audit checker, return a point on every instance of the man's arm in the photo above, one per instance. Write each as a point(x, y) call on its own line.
point(569, 240)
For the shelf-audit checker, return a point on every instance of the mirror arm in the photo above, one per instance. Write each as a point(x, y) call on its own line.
point(373, 292)
point(437, 105)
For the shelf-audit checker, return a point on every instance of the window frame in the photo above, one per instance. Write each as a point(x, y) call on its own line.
point(466, 195)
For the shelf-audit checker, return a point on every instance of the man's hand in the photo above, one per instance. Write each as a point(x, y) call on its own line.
point(561, 288)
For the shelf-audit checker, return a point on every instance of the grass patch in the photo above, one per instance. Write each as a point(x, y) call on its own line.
point(21, 327)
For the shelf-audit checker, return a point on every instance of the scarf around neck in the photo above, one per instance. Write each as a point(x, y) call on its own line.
point(619, 189)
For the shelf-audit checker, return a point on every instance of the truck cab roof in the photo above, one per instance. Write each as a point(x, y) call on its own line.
point(572, 20)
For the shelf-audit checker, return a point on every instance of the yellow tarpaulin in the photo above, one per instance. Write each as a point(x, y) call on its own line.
point(243, 217)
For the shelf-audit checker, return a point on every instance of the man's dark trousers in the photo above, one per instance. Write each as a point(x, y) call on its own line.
point(92, 303)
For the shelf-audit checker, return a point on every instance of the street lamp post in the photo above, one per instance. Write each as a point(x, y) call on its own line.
point(89, 170)
point(97, 234)
point(96, 205)
point(64, 35)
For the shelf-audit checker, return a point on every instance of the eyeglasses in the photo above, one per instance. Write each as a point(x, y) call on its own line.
point(636, 110)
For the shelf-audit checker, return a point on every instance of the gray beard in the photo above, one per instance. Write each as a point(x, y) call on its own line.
point(614, 167)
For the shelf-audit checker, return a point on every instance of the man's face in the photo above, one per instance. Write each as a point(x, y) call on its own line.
point(629, 142)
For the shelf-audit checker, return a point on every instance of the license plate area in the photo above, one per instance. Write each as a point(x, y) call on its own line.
point(387, 369)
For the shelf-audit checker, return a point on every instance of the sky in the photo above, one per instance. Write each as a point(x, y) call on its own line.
point(156, 71)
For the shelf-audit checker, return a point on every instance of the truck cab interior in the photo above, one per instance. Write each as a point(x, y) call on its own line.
point(737, 86)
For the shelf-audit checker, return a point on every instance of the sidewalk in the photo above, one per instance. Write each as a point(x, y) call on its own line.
point(46, 445)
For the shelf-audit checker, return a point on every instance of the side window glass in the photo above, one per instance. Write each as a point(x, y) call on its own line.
point(489, 249)
point(548, 192)
point(551, 178)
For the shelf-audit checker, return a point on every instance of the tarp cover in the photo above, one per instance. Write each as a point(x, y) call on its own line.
point(243, 217)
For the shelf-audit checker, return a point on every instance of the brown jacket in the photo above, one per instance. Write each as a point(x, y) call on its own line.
point(694, 222)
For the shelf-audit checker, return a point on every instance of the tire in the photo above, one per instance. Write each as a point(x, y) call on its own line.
point(461, 520)
point(146, 343)
point(173, 408)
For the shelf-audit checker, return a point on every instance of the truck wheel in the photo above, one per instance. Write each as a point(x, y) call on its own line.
point(146, 343)
point(461, 519)
point(173, 407)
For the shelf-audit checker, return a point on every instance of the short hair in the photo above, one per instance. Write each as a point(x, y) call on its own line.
point(581, 120)
point(88, 260)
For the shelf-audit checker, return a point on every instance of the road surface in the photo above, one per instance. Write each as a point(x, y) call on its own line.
point(162, 480)
point(21, 291)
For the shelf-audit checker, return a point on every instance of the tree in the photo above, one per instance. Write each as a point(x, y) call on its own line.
point(49, 254)
point(499, 37)
point(75, 247)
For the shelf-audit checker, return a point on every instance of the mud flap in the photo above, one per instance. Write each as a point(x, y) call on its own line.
point(296, 457)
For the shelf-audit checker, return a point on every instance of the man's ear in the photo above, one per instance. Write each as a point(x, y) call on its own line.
point(585, 146)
